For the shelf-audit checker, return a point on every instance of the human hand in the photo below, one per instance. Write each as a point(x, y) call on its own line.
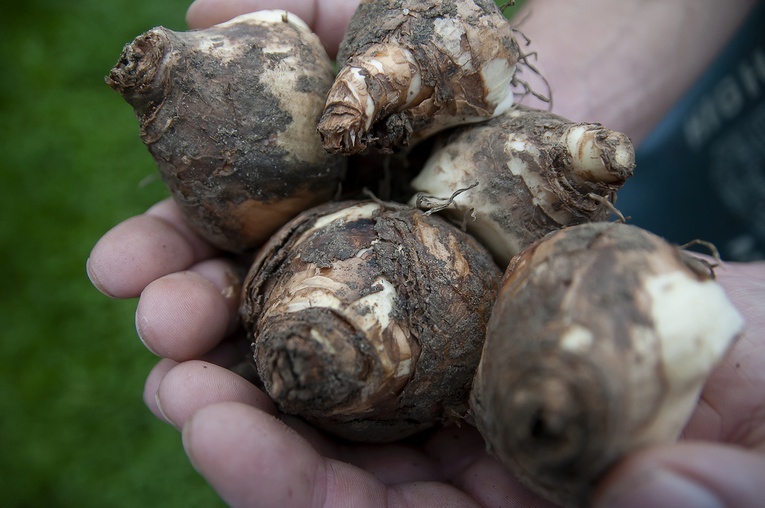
point(623, 64)
point(253, 456)
point(235, 439)
point(720, 460)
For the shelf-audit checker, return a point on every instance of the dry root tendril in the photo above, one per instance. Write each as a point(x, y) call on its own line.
point(422, 200)
point(701, 265)
point(524, 60)
point(507, 4)
point(714, 252)
point(607, 202)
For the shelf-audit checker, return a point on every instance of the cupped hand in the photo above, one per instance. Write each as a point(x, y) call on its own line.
point(720, 460)
point(253, 456)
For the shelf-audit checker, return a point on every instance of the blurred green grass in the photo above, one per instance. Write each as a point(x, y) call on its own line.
point(74, 429)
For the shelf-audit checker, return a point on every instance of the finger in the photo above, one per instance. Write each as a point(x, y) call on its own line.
point(327, 18)
point(184, 315)
point(151, 385)
point(389, 463)
point(205, 13)
point(731, 406)
point(465, 463)
point(232, 354)
point(686, 474)
point(487, 481)
point(462, 453)
point(745, 285)
point(169, 211)
point(392, 464)
point(242, 453)
point(754, 269)
point(143, 248)
point(226, 277)
point(455, 448)
point(252, 459)
point(228, 355)
point(189, 386)
point(173, 391)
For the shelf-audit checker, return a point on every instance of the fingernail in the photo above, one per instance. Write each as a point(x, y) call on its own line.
point(658, 489)
point(139, 324)
point(227, 280)
point(162, 412)
point(186, 440)
point(94, 279)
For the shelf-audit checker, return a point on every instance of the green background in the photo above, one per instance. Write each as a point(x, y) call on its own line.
point(74, 431)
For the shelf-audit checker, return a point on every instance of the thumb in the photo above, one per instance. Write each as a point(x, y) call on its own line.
point(686, 474)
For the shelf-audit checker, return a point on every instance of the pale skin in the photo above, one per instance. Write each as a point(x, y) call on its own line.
point(252, 456)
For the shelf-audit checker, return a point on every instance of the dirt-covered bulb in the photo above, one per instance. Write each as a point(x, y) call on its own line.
point(414, 67)
point(523, 174)
point(600, 342)
point(367, 318)
point(229, 114)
